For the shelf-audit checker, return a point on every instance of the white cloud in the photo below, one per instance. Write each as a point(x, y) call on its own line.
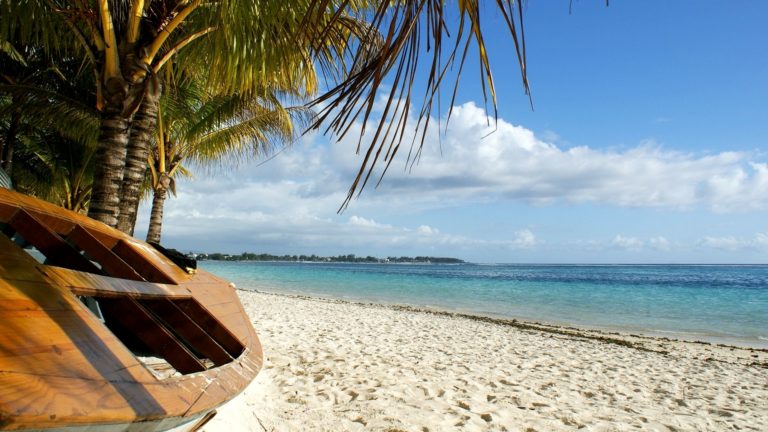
point(732, 243)
point(268, 218)
point(512, 163)
point(427, 230)
point(550, 136)
point(659, 243)
point(625, 243)
point(366, 223)
point(628, 243)
point(524, 239)
point(509, 164)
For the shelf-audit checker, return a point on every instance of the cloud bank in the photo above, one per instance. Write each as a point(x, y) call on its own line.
point(290, 203)
point(475, 161)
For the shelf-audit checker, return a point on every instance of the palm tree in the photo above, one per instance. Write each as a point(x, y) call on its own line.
point(127, 43)
point(47, 125)
point(55, 169)
point(250, 44)
point(197, 127)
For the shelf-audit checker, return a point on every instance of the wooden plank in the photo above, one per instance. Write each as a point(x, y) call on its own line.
point(231, 380)
point(15, 263)
point(18, 270)
point(49, 212)
point(159, 260)
point(7, 211)
point(56, 332)
point(230, 317)
point(58, 225)
point(36, 400)
point(65, 361)
point(205, 320)
point(141, 264)
point(105, 239)
point(9, 249)
point(186, 328)
point(62, 222)
point(111, 264)
point(88, 284)
point(56, 250)
point(63, 225)
point(136, 319)
point(33, 295)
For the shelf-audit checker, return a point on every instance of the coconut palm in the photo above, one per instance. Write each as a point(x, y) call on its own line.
point(204, 129)
point(55, 169)
point(47, 125)
point(249, 44)
point(296, 70)
point(127, 43)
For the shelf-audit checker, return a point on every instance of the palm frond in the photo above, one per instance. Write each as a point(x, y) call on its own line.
point(72, 118)
point(215, 129)
point(53, 25)
point(405, 26)
point(8, 49)
point(54, 168)
point(254, 136)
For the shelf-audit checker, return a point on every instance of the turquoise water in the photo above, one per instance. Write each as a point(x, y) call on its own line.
point(726, 304)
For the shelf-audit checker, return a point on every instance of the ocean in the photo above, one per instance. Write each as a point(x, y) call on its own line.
point(713, 303)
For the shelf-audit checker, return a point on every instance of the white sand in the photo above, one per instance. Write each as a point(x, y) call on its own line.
point(333, 366)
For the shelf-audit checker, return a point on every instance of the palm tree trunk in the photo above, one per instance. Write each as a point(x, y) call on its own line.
point(156, 218)
point(6, 154)
point(139, 143)
point(109, 165)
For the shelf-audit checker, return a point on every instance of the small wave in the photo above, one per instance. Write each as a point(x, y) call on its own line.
point(681, 332)
point(763, 338)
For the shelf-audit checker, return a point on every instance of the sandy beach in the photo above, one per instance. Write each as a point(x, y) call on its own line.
point(333, 366)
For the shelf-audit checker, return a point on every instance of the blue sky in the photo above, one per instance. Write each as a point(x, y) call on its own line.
point(647, 144)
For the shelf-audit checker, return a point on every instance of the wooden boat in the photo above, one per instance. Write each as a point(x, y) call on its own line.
point(107, 333)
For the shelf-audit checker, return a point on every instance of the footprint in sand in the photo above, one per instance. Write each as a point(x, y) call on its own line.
point(353, 395)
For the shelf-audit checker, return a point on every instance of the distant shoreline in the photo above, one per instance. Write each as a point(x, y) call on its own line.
point(518, 264)
point(341, 262)
point(346, 259)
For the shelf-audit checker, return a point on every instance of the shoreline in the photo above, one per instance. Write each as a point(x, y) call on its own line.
point(716, 306)
point(608, 335)
point(331, 364)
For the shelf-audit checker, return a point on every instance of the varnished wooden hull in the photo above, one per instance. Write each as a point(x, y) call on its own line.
point(63, 367)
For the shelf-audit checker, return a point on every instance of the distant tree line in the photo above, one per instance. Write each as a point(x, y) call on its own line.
point(350, 258)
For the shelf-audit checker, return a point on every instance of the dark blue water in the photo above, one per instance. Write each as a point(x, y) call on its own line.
point(715, 303)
